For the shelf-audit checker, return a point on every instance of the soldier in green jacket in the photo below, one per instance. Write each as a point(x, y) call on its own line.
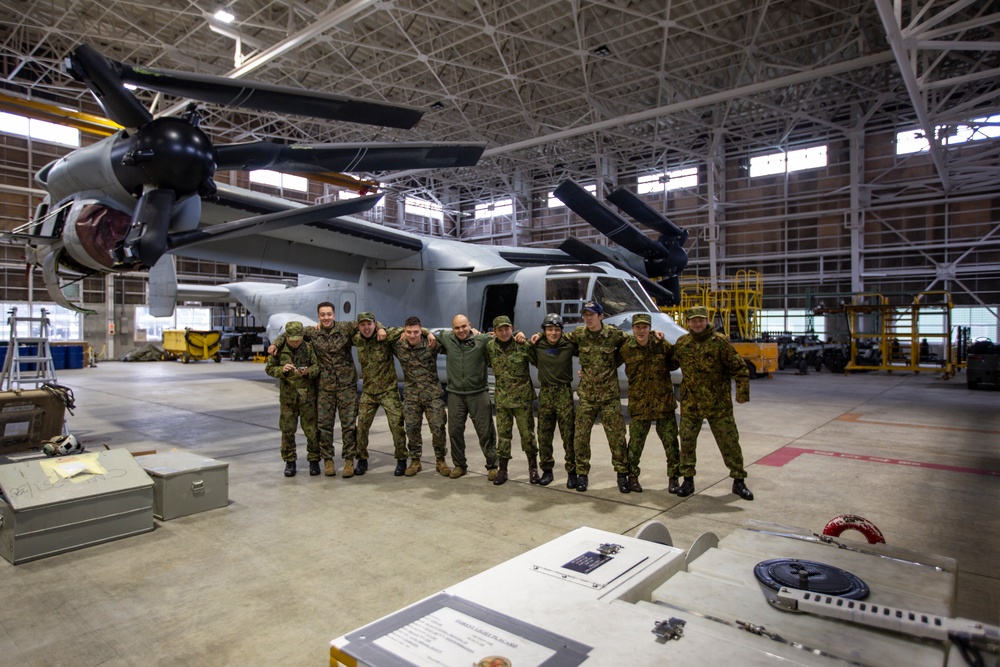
point(422, 392)
point(379, 387)
point(468, 394)
point(513, 395)
point(597, 344)
point(648, 362)
point(553, 355)
point(297, 368)
point(710, 364)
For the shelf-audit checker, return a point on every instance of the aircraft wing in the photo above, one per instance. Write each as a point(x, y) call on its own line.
point(335, 248)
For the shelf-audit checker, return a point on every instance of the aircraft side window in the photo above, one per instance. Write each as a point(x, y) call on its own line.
point(616, 296)
point(346, 308)
point(563, 296)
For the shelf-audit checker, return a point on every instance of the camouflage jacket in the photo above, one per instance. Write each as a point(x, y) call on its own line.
point(378, 372)
point(419, 364)
point(513, 387)
point(333, 349)
point(598, 362)
point(303, 355)
point(710, 364)
point(647, 367)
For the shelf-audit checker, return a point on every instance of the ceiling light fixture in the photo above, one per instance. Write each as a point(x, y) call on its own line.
point(224, 15)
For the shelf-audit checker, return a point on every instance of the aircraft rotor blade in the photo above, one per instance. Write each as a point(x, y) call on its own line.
point(588, 254)
point(606, 221)
point(646, 215)
point(270, 222)
point(99, 75)
point(267, 97)
point(362, 157)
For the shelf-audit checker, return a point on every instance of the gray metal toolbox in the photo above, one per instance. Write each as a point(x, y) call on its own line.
point(59, 504)
point(185, 483)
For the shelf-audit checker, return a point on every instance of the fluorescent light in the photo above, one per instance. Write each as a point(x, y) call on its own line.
point(224, 15)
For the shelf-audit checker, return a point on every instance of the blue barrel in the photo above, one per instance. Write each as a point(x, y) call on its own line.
point(58, 357)
point(28, 351)
point(74, 356)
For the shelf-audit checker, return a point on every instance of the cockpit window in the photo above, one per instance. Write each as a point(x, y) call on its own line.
point(563, 297)
point(617, 297)
point(641, 293)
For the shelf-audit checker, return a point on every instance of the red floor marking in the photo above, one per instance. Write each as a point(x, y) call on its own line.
point(780, 457)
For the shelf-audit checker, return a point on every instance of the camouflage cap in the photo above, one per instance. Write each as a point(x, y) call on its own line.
point(696, 311)
point(593, 307)
point(501, 321)
point(366, 316)
point(642, 318)
point(293, 331)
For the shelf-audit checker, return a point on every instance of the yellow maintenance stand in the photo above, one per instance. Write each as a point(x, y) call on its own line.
point(889, 337)
point(734, 303)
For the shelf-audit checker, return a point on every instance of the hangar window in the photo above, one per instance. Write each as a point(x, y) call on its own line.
point(149, 328)
point(495, 209)
point(278, 180)
point(39, 130)
point(344, 195)
point(555, 202)
point(977, 129)
point(671, 180)
point(423, 208)
point(64, 324)
point(787, 162)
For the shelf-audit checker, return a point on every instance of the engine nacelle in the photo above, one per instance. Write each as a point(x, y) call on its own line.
point(91, 230)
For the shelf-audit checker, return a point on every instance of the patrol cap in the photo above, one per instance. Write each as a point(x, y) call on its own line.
point(641, 318)
point(552, 320)
point(593, 307)
point(366, 316)
point(293, 331)
point(501, 321)
point(696, 311)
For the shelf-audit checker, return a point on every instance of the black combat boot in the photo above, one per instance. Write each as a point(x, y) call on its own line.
point(290, 469)
point(501, 476)
point(673, 486)
point(740, 489)
point(623, 484)
point(581, 483)
point(687, 488)
point(546, 478)
point(362, 467)
point(400, 468)
point(533, 470)
point(571, 481)
point(633, 481)
point(313, 468)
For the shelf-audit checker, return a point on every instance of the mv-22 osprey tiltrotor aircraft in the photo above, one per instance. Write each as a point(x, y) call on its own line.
point(131, 201)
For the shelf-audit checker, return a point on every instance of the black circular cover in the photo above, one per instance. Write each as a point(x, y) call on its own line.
point(807, 575)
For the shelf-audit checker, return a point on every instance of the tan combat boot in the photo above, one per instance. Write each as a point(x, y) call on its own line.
point(413, 468)
point(457, 472)
point(491, 474)
point(443, 468)
point(328, 468)
point(348, 468)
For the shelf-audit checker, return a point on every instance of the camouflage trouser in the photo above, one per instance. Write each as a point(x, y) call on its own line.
point(328, 402)
point(726, 436)
point(666, 429)
point(525, 418)
point(295, 409)
point(614, 428)
point(416, 404)
point(555, 405)
point(389, 400)
point(477, 406)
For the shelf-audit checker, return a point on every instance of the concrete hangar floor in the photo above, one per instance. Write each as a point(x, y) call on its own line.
point(292, 563)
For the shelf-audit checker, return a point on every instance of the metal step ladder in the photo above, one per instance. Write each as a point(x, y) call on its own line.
point(13, 377)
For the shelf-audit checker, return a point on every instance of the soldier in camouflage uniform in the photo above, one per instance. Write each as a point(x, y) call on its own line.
point(337, 389)
point(297, 368)
point(597, 344)
point(379, 388)
point(422, 392)
point(709, 364)
point(513, 395)
point(648, 362)
point(553, 354)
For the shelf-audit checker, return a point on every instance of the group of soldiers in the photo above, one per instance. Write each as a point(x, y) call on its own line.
point(318, 380)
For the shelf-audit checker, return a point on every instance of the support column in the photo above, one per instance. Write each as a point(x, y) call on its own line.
point(716, 169)
point(856, 222)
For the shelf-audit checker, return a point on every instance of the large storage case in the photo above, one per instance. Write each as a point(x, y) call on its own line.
point(28, 417)
point(185, 483)
point(54, 505)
